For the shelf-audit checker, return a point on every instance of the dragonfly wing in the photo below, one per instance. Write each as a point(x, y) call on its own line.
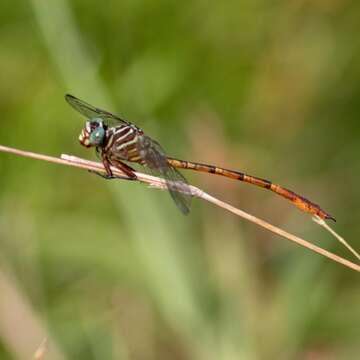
point(156, 161)
point(92, 112)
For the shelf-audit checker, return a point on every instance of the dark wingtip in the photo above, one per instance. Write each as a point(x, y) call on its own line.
point(184, 208)
point(68, 96)
point(185, 211)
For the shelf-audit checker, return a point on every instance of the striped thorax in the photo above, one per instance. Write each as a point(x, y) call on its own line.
point(122, 143)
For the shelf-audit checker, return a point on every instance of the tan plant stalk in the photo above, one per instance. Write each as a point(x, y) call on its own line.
point(159, 183)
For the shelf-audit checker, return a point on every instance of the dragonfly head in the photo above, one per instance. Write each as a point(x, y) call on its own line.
point(93, 134)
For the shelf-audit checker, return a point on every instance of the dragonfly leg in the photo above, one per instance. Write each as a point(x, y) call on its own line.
point(128, 170)
point(108, 177)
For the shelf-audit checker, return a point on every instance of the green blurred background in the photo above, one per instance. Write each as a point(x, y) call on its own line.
point(112, 270)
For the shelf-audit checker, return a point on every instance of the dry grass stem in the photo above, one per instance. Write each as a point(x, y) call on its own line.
point(159, 183)
point(327, 227)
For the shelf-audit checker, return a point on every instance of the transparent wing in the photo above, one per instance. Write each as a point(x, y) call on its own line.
point(155, 159)
point(93, 112)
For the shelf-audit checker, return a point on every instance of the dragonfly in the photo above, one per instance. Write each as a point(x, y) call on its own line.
point(120, 142)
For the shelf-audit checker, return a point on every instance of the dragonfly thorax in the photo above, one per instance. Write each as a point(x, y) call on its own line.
point(93, 134)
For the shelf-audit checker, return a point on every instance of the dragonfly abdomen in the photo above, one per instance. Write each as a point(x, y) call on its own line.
point(298, 200)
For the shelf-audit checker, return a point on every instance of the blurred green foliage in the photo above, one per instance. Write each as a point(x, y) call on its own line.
point(111, 270)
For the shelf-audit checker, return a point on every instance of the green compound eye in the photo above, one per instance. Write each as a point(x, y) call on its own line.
point(96, 132)
point(97, 136)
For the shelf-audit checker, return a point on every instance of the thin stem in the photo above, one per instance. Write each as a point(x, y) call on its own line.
point(196, 192)
point(322, 223)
